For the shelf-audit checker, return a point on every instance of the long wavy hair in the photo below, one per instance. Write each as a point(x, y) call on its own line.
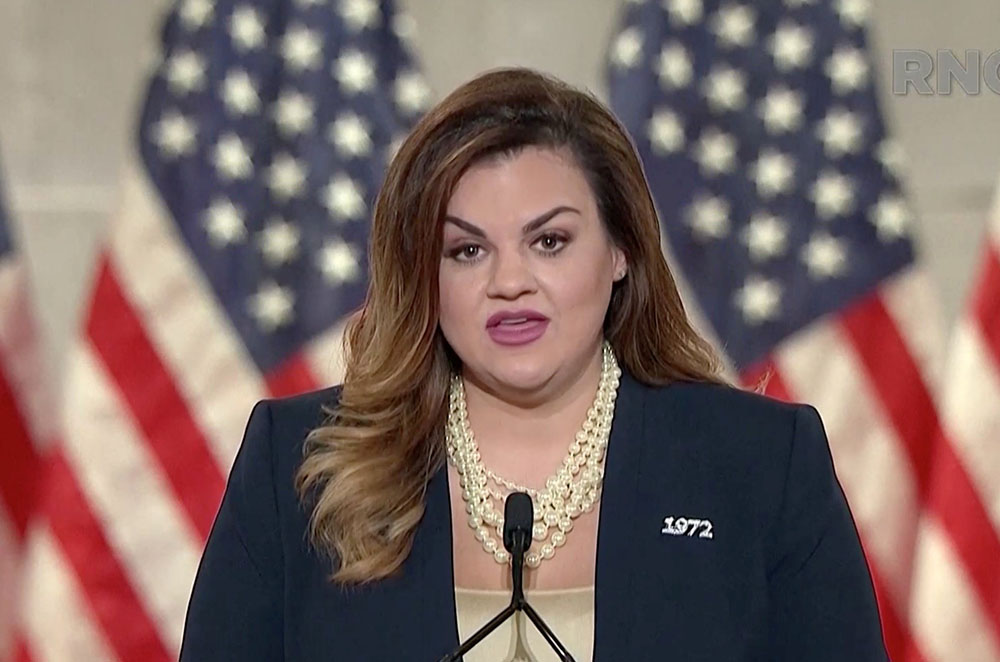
point(365, 470)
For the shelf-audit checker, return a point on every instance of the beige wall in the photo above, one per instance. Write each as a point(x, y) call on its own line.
point(71, 74)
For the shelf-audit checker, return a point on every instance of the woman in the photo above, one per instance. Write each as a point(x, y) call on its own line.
point(522, 331)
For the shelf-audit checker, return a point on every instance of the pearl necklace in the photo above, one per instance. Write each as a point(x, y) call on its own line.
point(572, 490)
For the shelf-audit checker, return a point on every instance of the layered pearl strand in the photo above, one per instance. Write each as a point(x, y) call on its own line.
point(572, 490)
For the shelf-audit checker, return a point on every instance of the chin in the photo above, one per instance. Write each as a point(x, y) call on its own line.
point(526, 377)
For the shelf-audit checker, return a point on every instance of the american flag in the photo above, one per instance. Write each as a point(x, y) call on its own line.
point(239, 248)
point(782, 206)
point(25, 408)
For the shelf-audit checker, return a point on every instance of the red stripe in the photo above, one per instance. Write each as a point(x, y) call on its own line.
point(115, 606)
point(19, 468)
point(291, 377)
point(941, 480)
point(899, 641)
point(22, 652)
point(986, 303)
point(148, 388)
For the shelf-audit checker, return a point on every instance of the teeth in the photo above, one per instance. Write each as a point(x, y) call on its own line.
point(515, 321)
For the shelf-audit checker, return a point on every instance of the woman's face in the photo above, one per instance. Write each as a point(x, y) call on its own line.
point(522, 233)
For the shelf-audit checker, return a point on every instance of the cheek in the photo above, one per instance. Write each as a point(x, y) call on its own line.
point(455, 299)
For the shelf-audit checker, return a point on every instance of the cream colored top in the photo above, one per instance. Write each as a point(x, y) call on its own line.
point(569, 613)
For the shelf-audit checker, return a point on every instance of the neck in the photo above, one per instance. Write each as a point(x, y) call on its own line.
point(526, 434)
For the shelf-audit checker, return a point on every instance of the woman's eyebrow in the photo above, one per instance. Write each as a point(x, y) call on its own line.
point(530, 226)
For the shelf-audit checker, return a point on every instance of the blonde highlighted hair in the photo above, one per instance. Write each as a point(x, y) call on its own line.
point(365, 471)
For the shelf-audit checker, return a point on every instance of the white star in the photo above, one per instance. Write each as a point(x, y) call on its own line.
point(412, 93)
point(781, 109)
point(404, 26)
point(246, 28)
point(674, 66)
point(666, 132)
point(626, 51)
point(684, 12)
point(773, 173)
point(185, 72)
point(349, 134)
point(847, 69)
point(853, 13)
point(840, 132)
point(891, 217)
point(239, 93)
point(224, 223)
point(708, 217)
point(286, 177)
point(279, 242)
point(833, 194)
point(343, 199)
point(725, 89)
point(294, 113)
point(759, 299)
point(715, 152)
point(359, 14)
point(174, 134)
point(766, 236)
point(825, 256)
point(791, 46)
point(272, 306)
point(338, 262)
point(354, 71)
point(302, 48)
point(231, 158)
point(733, 25)
point(890, 154)
point(196, 13)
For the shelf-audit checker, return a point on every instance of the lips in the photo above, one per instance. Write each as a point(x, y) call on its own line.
point(511, 317)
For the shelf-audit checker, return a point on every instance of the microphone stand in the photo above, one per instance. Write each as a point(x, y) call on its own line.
point(517, 539)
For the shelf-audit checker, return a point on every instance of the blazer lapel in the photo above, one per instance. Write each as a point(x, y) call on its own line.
point(438, 634)
point(616, 525)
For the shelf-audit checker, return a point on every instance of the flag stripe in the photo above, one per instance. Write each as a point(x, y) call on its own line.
point(986, 303)
point(111, 599)
point(944, 606)
point(894, 629)
point(940, 478)
point(18, 470)
point(22, 652)
point(10, 584)
point(160, 559)
point(160, 411)
point(57, 610)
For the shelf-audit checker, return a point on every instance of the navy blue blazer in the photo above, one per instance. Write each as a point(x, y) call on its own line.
point(781, 576)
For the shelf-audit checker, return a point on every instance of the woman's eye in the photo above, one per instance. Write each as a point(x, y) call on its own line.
point(551, 243)
point(465, 252)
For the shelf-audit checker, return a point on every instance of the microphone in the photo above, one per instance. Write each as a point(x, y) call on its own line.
point(518, 517)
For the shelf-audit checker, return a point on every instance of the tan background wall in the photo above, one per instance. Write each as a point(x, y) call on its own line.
point(71, 74)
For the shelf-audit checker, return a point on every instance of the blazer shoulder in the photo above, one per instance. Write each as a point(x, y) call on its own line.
point(724, 405)
point(733, 430)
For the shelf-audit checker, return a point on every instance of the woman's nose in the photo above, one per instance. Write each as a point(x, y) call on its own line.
point(510, 276)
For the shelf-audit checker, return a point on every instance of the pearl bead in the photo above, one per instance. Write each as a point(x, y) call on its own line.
point(572, 490)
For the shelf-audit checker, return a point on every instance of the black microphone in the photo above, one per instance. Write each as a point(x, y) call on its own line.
point(518, 518)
